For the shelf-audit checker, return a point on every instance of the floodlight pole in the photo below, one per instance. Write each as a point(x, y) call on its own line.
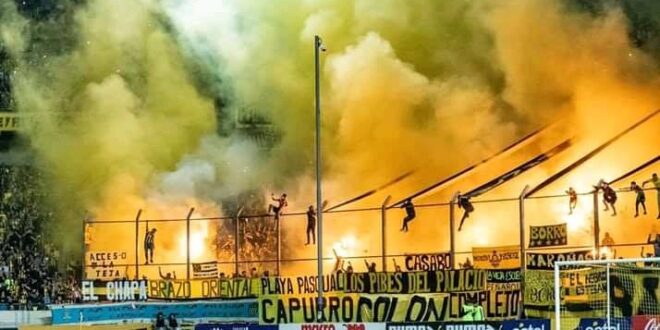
point(318, 46)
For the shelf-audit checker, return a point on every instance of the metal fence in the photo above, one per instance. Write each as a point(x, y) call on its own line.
point(373, 235)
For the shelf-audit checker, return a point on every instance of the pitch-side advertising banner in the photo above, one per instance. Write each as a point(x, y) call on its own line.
point(234, 326)
point(487, 325)
point(333, 326)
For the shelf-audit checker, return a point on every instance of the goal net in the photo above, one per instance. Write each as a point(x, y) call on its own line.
point(607, 294)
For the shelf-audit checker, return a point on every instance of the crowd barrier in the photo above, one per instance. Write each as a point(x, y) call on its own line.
point(227, 311)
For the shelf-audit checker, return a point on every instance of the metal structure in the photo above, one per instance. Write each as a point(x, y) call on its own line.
point(384, 208)
point(382, 233)
point(318, 47)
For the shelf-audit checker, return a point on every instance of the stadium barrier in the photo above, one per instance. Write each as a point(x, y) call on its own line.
point(227, 311)
point(132, 326)
point(12, 319)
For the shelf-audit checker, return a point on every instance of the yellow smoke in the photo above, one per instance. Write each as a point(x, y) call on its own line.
point(123, 120)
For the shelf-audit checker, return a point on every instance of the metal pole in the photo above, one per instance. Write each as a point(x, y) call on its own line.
point(557, 299)
point(523, 256)
point(84, 254)
point(596, 226)
point(608, 295)
point(137, 230)
point(383, 223)
point(279, 247)
point(188, 242)
point(452, 230)
point(318, 45)
point(236, 240)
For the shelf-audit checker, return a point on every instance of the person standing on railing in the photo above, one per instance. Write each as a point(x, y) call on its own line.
point(572, 199)
point(464, 203)
point(311, 225)
point(640, 199)
point(656, 182)
point(410, 214)
point(149, 245)
point(609, 196)
point(281, 204)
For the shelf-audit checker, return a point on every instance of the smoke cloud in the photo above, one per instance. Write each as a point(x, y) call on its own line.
point(143, 108)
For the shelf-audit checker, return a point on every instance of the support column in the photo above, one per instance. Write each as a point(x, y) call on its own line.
point(383, 237)
point(596, 225)
point(137, 256)
point(523, 252)
point(190, 213)
point(236, 238)
point(452, 231)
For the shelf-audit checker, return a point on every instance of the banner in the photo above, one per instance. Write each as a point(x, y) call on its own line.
point(497, 304)
point(392, 283)
point(577, 287)
point(645, 322)
point(526, 324)
point(504, 276)
point(546, 261)
point(234, 326)
point(228, 310)
point(427, 262)
point(234, 288)
point(601, 324)
point(633, 291)
point(333, 326)
point(102, 265)
point(205, 270)
point(114, 290)
point(552, 235)
point(485, 325)
point(496, 257)
point(9, 121)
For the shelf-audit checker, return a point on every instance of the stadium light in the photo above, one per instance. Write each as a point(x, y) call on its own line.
point(318, 46)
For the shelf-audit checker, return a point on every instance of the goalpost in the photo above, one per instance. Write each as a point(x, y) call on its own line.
point(606, 294)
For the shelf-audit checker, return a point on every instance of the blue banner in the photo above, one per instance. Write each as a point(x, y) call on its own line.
point(230, 310)
point(484, 325)
point(601, 324)
point(234, 326)
point(528, 324)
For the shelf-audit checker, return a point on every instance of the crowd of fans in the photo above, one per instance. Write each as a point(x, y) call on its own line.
point(29, 274)
point(258, 243)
